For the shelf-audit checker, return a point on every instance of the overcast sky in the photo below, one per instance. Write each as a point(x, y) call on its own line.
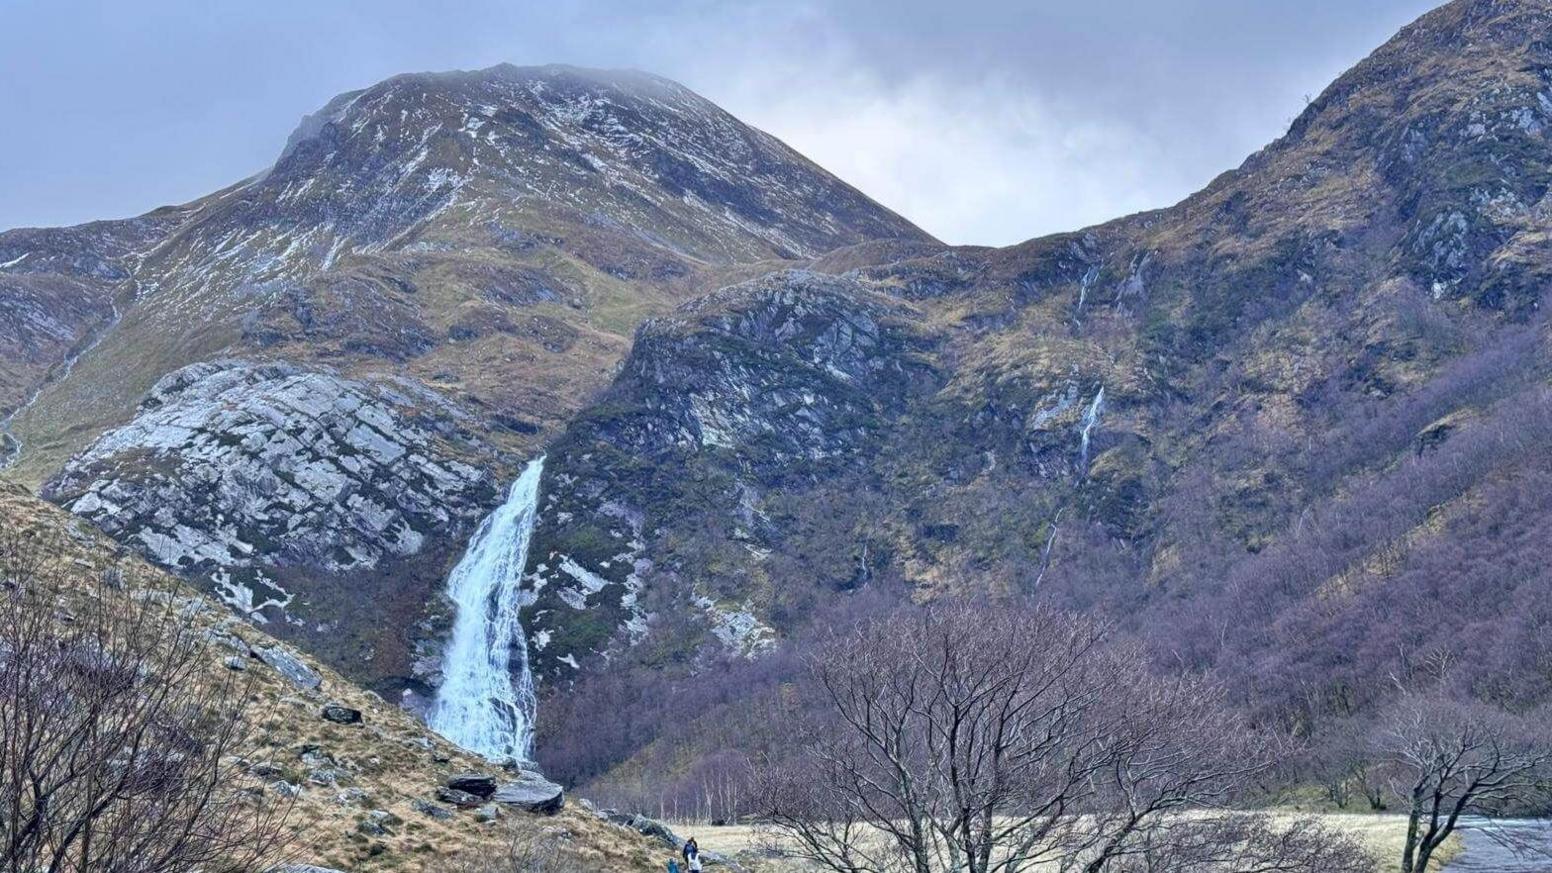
point(984, 121)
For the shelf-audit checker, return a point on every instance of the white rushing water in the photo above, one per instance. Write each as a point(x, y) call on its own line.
point(1090, 418)
point(486, 702)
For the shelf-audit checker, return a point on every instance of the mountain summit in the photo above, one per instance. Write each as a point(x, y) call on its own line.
point(573, 145)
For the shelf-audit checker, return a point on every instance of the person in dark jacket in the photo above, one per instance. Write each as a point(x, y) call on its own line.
point(692, 855)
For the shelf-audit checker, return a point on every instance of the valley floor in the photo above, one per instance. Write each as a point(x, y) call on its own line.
point(1383, 834)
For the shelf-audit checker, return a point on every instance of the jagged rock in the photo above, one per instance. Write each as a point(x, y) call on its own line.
point(235, 663)
point(793, 376)
point(265, 770)
point(432, 810)
point(647, 827)
point(286, 789)
point(313, 755)
point(341, 714)
point(478, 784)
point(379, 823)
point(487, 813)
point(350, 797)
point(290, 666)
point(460, 799)
point(327, 777)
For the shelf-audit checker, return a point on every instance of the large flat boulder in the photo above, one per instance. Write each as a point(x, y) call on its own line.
point(532, 792)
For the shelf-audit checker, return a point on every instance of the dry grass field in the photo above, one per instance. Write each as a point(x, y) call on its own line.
point(1384, 835)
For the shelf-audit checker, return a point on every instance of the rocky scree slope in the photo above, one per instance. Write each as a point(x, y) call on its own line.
point(305, 390)
point(1255, 427)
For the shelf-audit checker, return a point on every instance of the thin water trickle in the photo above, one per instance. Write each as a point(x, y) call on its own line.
point(486, 702)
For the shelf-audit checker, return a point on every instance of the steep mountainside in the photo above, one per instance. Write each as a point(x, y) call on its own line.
point(1256, 426)
point(365, 793)
point(1290, 429)
point(307, 388)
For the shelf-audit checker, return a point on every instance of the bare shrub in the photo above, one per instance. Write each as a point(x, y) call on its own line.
point(118, 742)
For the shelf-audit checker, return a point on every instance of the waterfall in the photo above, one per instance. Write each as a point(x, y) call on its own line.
point(1083, 288)
point(1090, 419)
point(484, 704)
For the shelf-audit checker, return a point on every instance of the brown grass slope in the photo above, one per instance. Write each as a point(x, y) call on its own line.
point(387, 762)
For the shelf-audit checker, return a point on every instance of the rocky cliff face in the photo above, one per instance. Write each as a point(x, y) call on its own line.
point(786, 382)
point(303, 500)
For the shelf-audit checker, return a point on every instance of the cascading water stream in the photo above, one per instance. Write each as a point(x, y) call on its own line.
point(1090, 419)
point(486, 702)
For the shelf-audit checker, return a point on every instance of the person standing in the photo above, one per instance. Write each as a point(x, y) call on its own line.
point(692, 855)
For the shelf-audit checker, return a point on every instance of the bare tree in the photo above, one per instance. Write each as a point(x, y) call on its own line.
point(1448, 759)
point(995, 740)
point(118, 733)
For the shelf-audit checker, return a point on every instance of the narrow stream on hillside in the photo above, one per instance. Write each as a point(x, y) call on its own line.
point(1483, 854)
point(486, 701)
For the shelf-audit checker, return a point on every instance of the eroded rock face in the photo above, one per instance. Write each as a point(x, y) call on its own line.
point(795, 377)
point(231, 467)
point(256, 478)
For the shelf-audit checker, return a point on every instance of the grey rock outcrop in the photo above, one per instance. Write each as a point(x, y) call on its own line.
point(233, 469)
point(286, 663)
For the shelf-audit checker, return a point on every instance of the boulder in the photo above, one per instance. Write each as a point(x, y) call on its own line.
point(286, 789)
point(478, 784)
point(533, 793)
point(487, 813)
point(379, 823)
point(350, 797)
point(266, 770)
point(339, 713)
point(460, 799)
point(647, 827)
point(432, 810)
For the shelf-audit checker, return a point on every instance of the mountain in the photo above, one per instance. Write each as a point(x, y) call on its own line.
point(1288, 430)
point(306, 389)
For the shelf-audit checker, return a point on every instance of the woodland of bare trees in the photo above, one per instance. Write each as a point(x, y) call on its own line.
point(117, 741)
point(997, 740)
